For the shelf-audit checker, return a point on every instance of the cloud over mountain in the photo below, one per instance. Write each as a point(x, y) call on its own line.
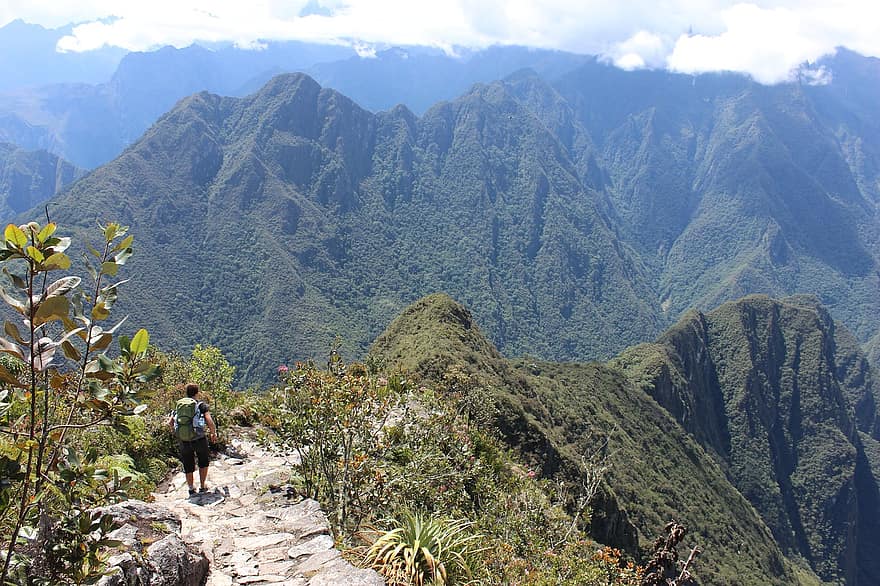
point(767, 39)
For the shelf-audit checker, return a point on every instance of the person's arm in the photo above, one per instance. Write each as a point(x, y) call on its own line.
point(212, 430)
point(171, 422)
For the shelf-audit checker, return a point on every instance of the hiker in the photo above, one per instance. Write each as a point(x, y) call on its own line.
point(188, 422)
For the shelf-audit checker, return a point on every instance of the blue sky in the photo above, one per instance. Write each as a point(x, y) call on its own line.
point(766, 39)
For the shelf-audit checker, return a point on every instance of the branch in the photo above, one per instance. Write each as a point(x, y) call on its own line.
point(65, 426)
point(684, 577)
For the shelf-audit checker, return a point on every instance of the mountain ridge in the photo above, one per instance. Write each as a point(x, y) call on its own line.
point(787, 428)
point(554, 413)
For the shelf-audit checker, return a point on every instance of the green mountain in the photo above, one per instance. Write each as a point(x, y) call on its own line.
point(784, 401)
point(28, 178)
point(269, 224)
point(558, 412)
point(726, 187)
point(754, 424)
point(91, 124)
point(574, 218)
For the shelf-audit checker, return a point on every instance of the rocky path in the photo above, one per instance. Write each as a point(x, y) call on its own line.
point(254, 529)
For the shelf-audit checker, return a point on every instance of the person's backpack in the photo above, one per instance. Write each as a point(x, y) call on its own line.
point(189, 421)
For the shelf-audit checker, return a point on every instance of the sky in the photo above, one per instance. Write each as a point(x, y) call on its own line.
point(767, 39)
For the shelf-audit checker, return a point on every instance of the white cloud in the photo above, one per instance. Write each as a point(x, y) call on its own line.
point(643, 49)
point(768, 39)
point(770, 44)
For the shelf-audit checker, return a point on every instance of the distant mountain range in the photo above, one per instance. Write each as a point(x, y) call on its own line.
point(29, 58)
point(574, 219)
point(754, 424)
point(91, 123)
point(28, 178)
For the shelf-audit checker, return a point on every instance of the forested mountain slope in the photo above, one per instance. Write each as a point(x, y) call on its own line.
point(759, 400)
point(783, 400)
point(574, 219)
point(558, 413)
point(727, 187)
point(270, 224)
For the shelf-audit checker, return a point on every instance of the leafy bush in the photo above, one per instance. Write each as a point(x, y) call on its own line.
point(413, 448)
point(333, 419)
point(47, 403)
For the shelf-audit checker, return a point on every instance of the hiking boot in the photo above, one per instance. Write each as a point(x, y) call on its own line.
point(203, 489)
point(192, 491)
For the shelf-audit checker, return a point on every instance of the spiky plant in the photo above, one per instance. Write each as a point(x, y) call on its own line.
point(422, 550)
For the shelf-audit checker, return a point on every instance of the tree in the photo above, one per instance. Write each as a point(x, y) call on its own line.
point(48, 397)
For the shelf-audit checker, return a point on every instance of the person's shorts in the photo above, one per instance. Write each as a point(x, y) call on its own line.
point(192, 451)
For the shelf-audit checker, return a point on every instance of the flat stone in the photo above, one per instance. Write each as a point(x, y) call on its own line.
point(313, 565)
point(281, 567)
point(259, 542)
point(246, 570)
point(272, 478)
point(314, 545)
point(219, 579)
point(340, 572)
point(273, 554)
point(239, 557)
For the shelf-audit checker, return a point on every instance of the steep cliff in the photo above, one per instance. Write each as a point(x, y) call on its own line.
point(784, 402)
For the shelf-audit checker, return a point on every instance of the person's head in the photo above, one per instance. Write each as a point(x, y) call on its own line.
point(192, 390)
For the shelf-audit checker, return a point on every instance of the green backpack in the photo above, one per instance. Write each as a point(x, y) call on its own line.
point(189, 421)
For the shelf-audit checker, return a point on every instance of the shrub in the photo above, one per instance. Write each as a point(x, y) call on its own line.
point(422, 550)
point(60, 384)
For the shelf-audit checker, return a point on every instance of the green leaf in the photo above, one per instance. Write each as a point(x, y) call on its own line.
point(123, 256)
point(15, 236)
point(146, 372)
point(102, 342)
point(53, 308)
point(59, 260)
point(108, 364)
point(126, 243)
point(43, 353)
point(100, 311)
point(16, 280)
point(35, 253)
point(10, 378)
point(47, 231)
point(109, 268)
point(13, 302)
point(10, 348)
point(110, 231)
point(140, 342)
point(58, 244)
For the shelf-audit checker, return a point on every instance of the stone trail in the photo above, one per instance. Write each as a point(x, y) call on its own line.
point(254, 529)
